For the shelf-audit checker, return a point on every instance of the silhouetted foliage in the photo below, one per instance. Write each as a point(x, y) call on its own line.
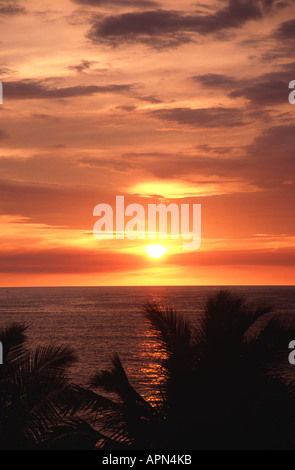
point(222, 389)
point(33, 396)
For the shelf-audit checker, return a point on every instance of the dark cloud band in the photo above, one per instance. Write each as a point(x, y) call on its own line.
point(34, 89)
point(11, 7)
point(120, 3)
point(168, 28)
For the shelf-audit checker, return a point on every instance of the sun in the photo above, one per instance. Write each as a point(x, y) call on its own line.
point(156, 251)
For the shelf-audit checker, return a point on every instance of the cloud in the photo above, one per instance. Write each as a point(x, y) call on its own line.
point(264, 90)
point(267, 257)
point(175, 166)
point(170, 28)
point(84, 65)
point(61, 260)
point(3, 135)
point(38, 89)
point(267, 90)
point(150, 99)
point(278, 44)
point(202, 117)
point(10, 7)
point(215, 80)
point(116, 165)
point(50, 204)
point(120, 3)
point(67, 261)
point(218, 150)
point(127, 107)
point(286, 30)
point(6, 71)
point(268, 162)
point(276, 141)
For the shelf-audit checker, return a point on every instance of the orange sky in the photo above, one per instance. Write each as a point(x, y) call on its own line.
point(168, 101)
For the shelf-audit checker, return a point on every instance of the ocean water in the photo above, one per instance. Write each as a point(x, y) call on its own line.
point(99, 321)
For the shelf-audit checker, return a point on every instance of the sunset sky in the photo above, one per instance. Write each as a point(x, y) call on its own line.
point(165, 101)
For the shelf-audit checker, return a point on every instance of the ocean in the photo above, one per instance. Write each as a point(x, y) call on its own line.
point(99, 321)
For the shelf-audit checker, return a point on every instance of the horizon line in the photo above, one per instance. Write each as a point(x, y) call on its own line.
point(152, 285)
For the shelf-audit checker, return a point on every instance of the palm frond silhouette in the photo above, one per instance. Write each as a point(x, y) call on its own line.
point(33, 396)
point(221, 384)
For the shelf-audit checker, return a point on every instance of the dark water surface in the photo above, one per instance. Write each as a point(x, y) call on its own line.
point(98, 321)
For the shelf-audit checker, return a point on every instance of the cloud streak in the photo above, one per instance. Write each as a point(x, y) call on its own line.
point(66, 261)
point(38, 89)
point(201, 118)
point(263, 90)
point(258, 164)
point(118, 3)
point(3, 135)
point(170, 28)
point(11, 8)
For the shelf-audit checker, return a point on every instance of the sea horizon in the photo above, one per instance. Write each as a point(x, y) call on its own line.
point(151, 285)
point(98, 321)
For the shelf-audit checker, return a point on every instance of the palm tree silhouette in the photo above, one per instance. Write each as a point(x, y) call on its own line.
point(34, 408)
point(221, 384)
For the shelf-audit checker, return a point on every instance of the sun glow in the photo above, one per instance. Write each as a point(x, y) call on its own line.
point(156, 251)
